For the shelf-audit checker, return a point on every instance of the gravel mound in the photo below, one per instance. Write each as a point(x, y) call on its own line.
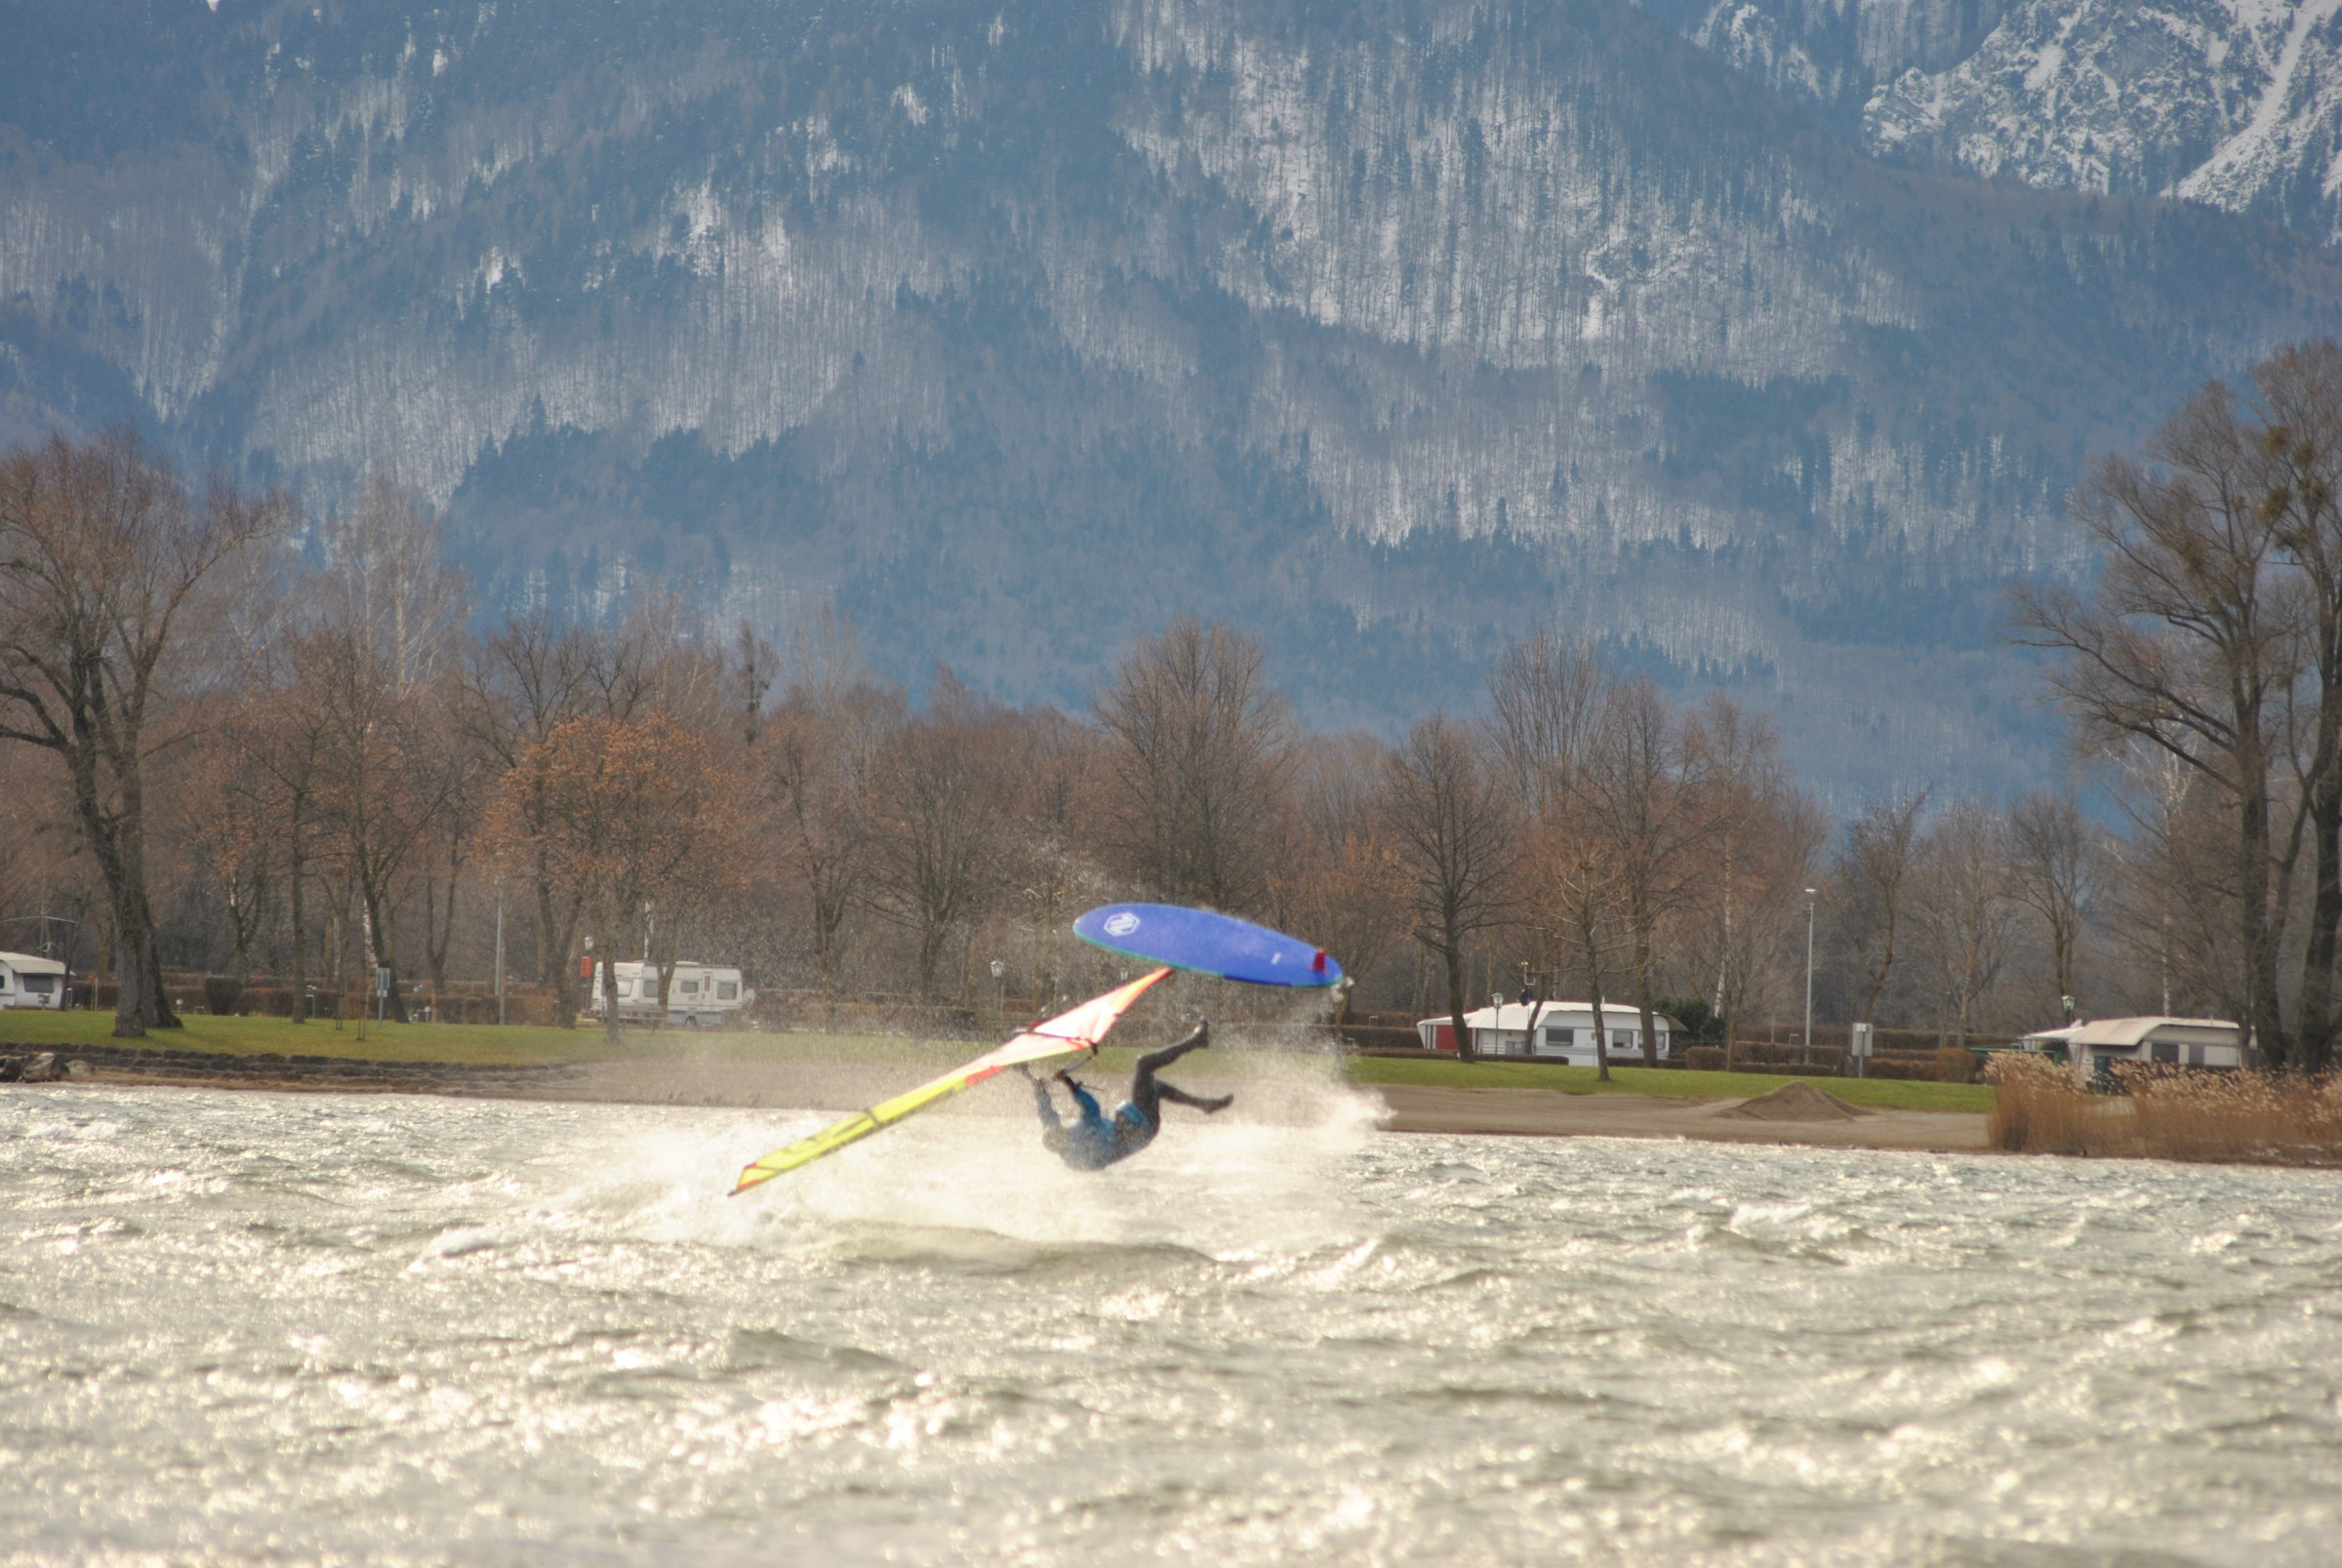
point(1795, 1102)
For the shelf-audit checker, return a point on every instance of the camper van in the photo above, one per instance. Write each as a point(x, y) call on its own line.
point(28, 981)
point(705, 996)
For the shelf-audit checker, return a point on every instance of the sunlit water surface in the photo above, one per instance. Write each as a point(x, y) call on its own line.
point(321, 1328)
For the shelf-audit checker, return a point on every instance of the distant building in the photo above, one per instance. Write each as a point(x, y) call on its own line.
point(1565, 1033)
point(2179, 1042)
point(27, 980)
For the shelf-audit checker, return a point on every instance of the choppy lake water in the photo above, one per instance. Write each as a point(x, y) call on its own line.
point(247, 1327)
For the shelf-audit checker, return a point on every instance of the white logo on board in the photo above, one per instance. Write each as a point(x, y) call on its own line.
point(1121, 925)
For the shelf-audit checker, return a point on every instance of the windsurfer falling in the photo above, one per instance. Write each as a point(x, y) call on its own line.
point(1093, 1143)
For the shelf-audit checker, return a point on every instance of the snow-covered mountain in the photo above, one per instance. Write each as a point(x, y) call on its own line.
point(1381, 329)
point(1834, 55)
point(2234, 102)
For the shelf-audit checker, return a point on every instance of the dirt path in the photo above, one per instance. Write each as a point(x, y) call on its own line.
point(803, 1085)
point(1546, 1114)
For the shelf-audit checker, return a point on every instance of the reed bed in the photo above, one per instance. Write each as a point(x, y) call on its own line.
point(2165, 1113)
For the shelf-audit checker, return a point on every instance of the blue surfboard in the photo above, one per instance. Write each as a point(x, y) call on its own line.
point(1209, 943)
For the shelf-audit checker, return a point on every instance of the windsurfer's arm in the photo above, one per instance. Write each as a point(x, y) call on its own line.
point(1043, 1103)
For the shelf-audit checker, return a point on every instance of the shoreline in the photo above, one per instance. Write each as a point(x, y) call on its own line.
point(1405, 1109)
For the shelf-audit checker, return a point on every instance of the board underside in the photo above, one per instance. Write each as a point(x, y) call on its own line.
point(1208, 944)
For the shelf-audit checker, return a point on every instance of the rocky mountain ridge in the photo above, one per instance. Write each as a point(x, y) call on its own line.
point(2237, 104)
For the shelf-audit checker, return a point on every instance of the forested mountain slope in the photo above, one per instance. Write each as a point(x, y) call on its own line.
point(1379, 330)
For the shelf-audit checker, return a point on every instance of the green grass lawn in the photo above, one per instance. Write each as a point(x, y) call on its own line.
point(482, 1044)
point(520, 1045)
point(512, 1045)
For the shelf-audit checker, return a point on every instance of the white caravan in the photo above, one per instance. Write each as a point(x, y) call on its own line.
point(2092, 1047)
point(27, 980)
point(707, 997)
point(1565, 1033)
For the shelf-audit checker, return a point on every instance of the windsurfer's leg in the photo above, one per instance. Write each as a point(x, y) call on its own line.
point(1155, 1061)
point(1180, 1097)
point(1143, 1087)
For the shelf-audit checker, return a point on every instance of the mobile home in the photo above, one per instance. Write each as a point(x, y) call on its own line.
point(698, 995)
point(27, 980)
point(1563, 1033)
point(2093, 1047)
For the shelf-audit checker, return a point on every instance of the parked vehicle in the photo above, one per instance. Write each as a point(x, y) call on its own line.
point(27, 980)
point(698, 995)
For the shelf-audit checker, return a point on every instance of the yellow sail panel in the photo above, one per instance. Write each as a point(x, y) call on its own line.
point(1078, 1029)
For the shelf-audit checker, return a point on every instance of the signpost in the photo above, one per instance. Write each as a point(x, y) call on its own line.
point(1858, 1046)
point(381, 990)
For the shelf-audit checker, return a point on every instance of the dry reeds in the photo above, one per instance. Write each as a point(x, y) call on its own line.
point(2038, 1109)
point(2165, 1113)
point(2281, 1120)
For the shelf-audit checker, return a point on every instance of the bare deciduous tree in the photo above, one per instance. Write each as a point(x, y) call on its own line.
point(2299, 440)
point(2055, 868)
point(1768, 838)
point(1574, 891)
point(1866, 886)
point(1456, 835)
point(2194, 642)
point(1203, 756)
point(1347, 886)
point(1545, 695)
point(536, 673)
point(104, 559)
point(376, 665)
point(944, 785)
point(1056, 769)
point(819, 759)
point(1966, 909)
point(619, 813)
point(1546, 698)
point(1646, 794)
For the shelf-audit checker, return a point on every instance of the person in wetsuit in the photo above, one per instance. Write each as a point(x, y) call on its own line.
point(1093, 1143)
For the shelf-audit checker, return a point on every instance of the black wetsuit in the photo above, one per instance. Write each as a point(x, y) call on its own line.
point(1094, 1143)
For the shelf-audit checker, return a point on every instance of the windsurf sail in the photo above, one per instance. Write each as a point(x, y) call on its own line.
point(1067, 1033)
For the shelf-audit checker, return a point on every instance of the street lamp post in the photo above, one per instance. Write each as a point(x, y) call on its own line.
point(1806, 1051)
point(499, 950)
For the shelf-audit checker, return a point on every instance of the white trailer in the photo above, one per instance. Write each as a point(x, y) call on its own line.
point(2092, 1047)
point(27, 980)
point(1565, 1033)
point(699, 996)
